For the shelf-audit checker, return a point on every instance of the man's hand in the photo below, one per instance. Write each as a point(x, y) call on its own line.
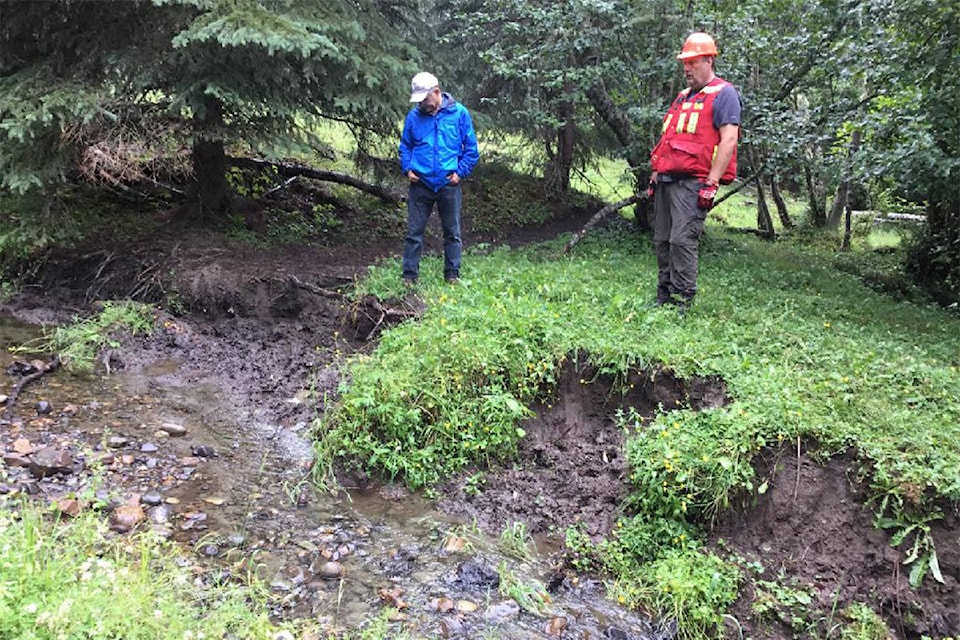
point(453, 178)
point(651, 189)
point(707, 193)
point(412, 176)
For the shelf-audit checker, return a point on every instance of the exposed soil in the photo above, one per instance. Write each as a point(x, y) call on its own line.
point(811, 532)
point(265, 326)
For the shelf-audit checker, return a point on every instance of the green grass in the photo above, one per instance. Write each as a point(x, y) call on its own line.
point(806, 351)
point(78, 343)
point(70, 580)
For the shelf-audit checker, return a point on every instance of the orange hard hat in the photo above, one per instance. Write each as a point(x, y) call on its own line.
point(696, 45)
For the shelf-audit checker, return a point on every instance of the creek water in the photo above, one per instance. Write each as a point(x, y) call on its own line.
point(236, 493)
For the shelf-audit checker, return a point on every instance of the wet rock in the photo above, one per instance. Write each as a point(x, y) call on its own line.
point(281, 584)
point(159, 514)
point(402, 561)
point(393, 597)
point(616, 633)
point(162, 531)
point(117, 442)
point(16, 460)
point(67, 506)
point(105, 458)
point(44, 408)
point(443, 604)
point(151, 498)
point(23, 446)
point(172, 429)
point(50, 461)
point(126, 517)
point(203, 451)
point(210, 550)
point(466, 606)
point(330, 570)
point(451, 627)
point(556, 626)
point(502, 611)
point(477, 574)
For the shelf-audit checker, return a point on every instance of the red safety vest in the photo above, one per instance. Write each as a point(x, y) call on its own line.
point(690, 140)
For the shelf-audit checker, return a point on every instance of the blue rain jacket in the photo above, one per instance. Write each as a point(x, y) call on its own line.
point(438, 145)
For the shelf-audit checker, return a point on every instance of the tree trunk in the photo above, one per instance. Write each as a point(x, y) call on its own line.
point(619, 124)
point(818, 213)
point(845, 245)
point(211, 191)
point(781, 204)
point(842, 197)
point(566, 137)
point(764, 221)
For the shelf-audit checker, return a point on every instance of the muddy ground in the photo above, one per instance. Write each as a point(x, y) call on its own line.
point(262, 328)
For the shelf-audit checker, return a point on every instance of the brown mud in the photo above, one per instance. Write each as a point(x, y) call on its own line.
point(260, 329)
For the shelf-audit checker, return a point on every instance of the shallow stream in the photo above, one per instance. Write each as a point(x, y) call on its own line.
point(236, 492)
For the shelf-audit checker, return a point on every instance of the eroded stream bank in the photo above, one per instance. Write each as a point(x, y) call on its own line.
point(233, 490)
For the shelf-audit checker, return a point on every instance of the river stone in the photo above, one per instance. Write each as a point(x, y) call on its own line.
point(173, 429)
point(23, 446)
point(450, 627)
point(126, 517)
point(159, 514)
point(152, 498)
point(330, 570)
point(502, 611)
point(476, 574)
point(210, 550)
point(16, 460)
point(50, 461)
point(203, 451)
point(148, 447)
point(43, 408)
point(117, 442)
point(4, 398)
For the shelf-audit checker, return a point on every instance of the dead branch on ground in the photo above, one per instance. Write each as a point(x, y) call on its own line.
point(289, 170)
point(27, 379)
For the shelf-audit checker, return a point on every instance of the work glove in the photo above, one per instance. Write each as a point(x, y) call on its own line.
point(651, 188)
point(707, 193)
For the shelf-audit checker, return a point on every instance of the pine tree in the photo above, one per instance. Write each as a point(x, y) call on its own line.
point(210, 73)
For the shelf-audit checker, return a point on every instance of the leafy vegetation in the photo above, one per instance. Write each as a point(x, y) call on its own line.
point(78, 344)
point(63, 579)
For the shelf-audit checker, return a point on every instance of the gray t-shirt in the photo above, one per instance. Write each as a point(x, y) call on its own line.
point(727, 107)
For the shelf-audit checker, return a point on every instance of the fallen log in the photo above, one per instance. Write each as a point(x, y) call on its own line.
point(600, 215)
point(292, 170)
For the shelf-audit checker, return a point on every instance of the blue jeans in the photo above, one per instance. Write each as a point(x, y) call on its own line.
point(420, 201)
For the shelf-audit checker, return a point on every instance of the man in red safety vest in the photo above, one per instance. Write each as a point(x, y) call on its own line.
point(697, 151)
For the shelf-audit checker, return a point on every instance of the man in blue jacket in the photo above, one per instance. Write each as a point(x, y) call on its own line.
point(438, 149)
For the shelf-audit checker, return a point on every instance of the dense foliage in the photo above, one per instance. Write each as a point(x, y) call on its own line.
point(107, 87)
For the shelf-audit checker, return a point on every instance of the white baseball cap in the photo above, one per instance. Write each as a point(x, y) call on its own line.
point(422, 84)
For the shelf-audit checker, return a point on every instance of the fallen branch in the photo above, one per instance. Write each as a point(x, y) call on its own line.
point(600, 215)
point(290, 170)
point(27, 379)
